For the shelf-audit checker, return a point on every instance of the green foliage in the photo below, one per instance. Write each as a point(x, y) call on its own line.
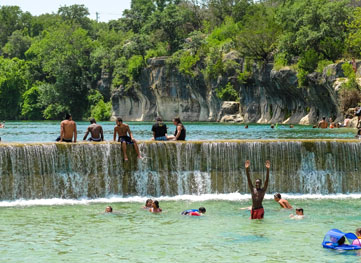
point(135, 64)
point(102, 111)
point(187, 63)
point(351, 83)
point(227, 93)
point(280, 61)
point(322, 64)
point(353, 41)
point(32, 108)
point(309, 60)
point(12, 84)
point(17, 45)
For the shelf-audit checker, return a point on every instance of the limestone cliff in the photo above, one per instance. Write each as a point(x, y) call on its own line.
point(267, 96)
point(164, 92)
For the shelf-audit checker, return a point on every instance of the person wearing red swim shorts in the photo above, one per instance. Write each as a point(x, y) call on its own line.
point(257, 211)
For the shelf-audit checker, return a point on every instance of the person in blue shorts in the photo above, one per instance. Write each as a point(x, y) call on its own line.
point(194, 212)
point(159, 130)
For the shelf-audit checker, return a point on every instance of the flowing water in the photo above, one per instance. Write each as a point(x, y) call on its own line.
point(52, 195)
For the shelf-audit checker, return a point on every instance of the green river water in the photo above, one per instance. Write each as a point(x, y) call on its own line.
point(83, 233)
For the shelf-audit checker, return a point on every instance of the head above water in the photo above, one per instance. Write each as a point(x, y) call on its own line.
point(148, 203)
point(258, 183)
point(108, 209)
point(358, 232)
point(156, 204)
point(299, 211)
point(202, 210)
point(277, 196)
point(92, 120)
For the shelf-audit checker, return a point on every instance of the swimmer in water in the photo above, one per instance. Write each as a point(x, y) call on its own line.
point(148, 204)
point(299, 214)
point(194, 212)
point(108, 209)
point(257, 192)
point(283, 202)
point(357, 242)
point(155, 207)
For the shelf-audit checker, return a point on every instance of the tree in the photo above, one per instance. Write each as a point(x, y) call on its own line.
point(64, 55)
point(13, 82)
point(17, 45)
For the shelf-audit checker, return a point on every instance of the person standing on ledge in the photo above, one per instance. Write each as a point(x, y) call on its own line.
point(180, 131)
point(96, 132)
point(123, 130)
point(67, 130)
point(159, 130)
point(258, 193)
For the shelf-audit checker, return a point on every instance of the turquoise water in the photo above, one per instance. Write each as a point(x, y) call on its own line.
point(47, 131)
point(83, 233)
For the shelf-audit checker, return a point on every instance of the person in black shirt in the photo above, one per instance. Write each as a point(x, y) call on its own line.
point(180, 131)
point(159, 130)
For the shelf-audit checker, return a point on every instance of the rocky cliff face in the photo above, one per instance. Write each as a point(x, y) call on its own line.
point(167, 93)
point(268, 96)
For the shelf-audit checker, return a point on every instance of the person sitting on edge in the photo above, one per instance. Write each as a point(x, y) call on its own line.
point(148, 204)
point(109, 209)
point(180, 131)
point(258, 193)
point(298, 215)
point(194, 212)
point(283, 202)
point(96, 132)
point(67, 130)
point(155, 207)
point(357, 242)
point(323, 123)
point(123, 130)
point(159, 130)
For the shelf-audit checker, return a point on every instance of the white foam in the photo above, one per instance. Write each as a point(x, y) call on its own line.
point(236, 197)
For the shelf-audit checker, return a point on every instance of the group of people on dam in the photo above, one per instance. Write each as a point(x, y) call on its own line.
point(122, 133)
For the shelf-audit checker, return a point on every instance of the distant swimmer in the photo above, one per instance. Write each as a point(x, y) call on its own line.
point(123, 130)
point(246, 126)
point(194, 212)
point(2, 124)
point(109, 209)
point(180, 131)
point(258, 193)
point(67, 130)
point(323, 123)
point(148, 204)
point(283, 202)
point(155, 208)
point(299, 214)
point(357, 241)
point(96, 132)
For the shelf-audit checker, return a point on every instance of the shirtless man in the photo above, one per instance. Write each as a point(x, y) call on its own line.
point(96, 132)
point(283, 202)
point(257, 211)
point(323, 123)
point(67, 130)
point(123, 130)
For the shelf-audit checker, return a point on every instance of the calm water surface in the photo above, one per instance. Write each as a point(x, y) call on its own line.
point(83, 233)
point(47, 131)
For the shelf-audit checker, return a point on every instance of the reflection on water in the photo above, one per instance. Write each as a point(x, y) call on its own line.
point(47, 131)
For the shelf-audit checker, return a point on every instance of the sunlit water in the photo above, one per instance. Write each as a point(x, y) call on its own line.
point(47, 131)
point(83, 233)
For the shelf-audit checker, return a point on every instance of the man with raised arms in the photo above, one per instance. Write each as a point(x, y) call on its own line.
point(257, 211)
point(67, 130)
point(123, 130)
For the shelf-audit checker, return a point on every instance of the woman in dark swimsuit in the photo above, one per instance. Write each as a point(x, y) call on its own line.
point(180, 132)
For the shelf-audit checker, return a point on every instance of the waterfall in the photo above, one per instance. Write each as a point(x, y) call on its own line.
point(92, 170)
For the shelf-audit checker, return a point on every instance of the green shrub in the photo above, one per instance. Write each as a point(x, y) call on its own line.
point(187, 62)
point(32, 108)
point(102, 111)
point(227, 93)
point(322, 64)
point(309, 60)
point(280, 61)
point(135, 64)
